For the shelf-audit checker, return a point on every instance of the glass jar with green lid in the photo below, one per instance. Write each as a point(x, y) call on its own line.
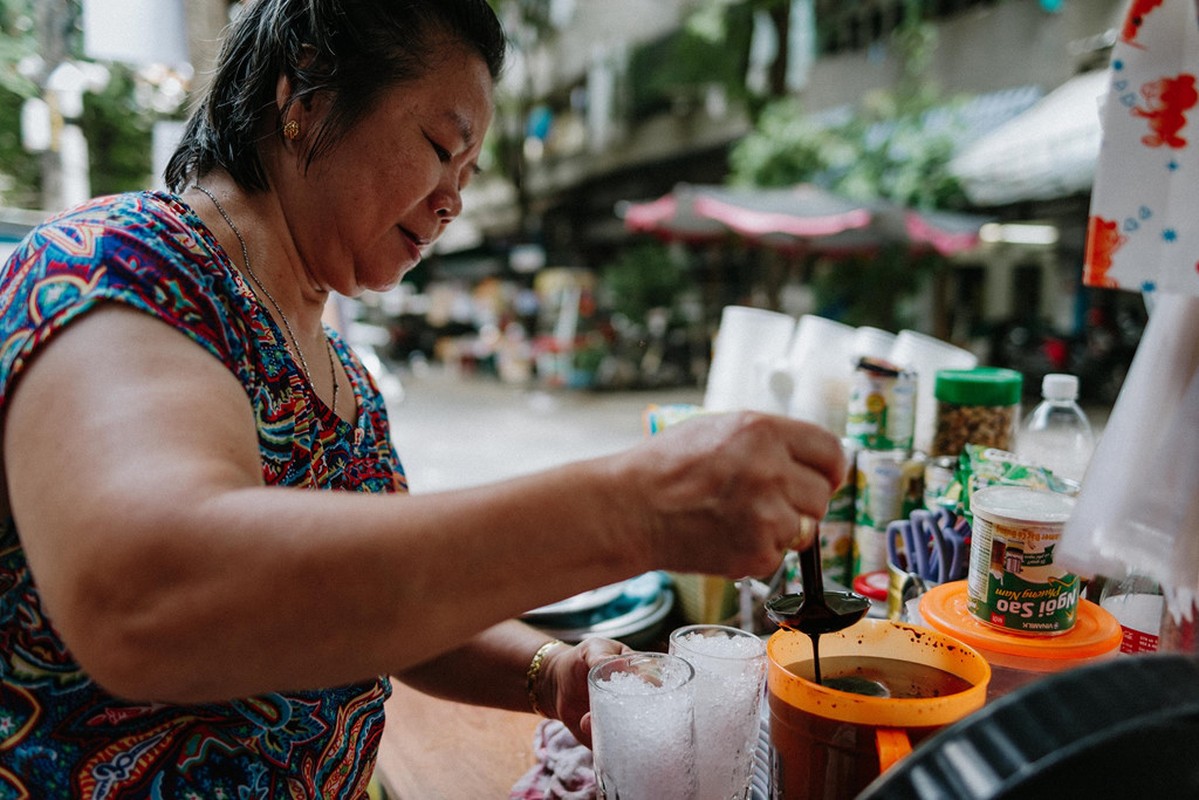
point(976, 406)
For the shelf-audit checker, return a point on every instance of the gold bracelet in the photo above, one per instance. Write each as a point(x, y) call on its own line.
point(534, 671)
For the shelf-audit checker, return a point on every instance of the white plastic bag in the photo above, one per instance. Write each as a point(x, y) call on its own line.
point(1139, 508)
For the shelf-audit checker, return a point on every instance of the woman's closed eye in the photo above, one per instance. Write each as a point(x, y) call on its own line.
point(443, 155)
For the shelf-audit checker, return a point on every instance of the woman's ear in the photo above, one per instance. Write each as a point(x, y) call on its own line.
point(288, 110)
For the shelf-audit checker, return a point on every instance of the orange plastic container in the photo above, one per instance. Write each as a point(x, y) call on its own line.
point(1017, 659)
point(830, 743)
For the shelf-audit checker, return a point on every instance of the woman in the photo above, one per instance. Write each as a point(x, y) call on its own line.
point(178, 597)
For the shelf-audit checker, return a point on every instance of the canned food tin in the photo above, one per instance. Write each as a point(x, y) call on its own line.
point(938, 476)
point(882, 406)
point(836, 529)
point(870, 549)
point(1013, 583)
point(890, 485)
point(879, 497)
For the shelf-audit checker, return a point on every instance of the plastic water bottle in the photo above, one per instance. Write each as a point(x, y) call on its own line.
point(1057, 434)
point(1137, 602)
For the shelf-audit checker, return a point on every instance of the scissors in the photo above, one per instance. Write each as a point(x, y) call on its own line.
point(898, 531)
point(951, 546)
point(923, 543)
point(935, 545)
point(914, 557)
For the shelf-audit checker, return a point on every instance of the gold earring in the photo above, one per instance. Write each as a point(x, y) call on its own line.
point(291, 130)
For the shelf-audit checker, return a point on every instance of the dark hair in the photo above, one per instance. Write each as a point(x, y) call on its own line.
point(351, 49)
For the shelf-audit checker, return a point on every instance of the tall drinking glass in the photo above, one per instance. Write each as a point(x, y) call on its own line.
point(730, 673)
point(643, 727)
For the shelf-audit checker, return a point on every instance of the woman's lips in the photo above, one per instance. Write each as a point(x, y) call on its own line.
point(416, 244)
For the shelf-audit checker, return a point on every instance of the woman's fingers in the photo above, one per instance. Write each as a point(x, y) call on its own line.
point(729, 492)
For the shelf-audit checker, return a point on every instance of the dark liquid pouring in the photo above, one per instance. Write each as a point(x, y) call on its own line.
point(816, 612)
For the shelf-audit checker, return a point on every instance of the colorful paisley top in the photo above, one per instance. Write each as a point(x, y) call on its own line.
point(61, 735)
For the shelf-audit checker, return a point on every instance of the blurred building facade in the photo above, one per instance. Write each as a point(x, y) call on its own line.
point(603, 103)
point(595, 135)
point(590, 141)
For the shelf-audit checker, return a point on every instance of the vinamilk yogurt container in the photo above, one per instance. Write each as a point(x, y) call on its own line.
point(1013, 582)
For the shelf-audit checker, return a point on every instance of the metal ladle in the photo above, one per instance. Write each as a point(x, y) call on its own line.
point(815, 611)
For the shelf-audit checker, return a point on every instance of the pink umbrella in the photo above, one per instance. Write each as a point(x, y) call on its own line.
point(803, 218)
point(673, 216)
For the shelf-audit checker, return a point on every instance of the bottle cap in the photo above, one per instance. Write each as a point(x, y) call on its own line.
point(981, 386)
point(1057, 386)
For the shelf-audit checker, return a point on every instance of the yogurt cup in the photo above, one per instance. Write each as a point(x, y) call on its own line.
point(1013, 582)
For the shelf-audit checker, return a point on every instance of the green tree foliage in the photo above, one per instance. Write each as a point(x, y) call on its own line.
point(20, 172)
point(526, 22)
point(642, 278)
point(883, 148)
point(711, 49)
point(868, 290)
point(119, 136)
point(117, 125)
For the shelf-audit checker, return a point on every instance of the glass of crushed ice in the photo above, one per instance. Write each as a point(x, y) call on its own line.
point(643, 727)
point(730, 675)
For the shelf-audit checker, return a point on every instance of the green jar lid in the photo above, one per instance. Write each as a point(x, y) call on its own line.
point(981, 386)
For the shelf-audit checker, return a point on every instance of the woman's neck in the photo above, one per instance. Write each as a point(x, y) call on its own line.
point(269, 260)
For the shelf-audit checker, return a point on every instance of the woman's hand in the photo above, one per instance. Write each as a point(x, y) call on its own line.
point(562, 691)
point(728, 493)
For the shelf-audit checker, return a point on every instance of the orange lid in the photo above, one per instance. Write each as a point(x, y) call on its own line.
point(1095, 633)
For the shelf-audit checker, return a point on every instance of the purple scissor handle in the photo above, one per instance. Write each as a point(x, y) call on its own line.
point(951, 537)
point(961, 548)
point(923, 544)
point(899, 531)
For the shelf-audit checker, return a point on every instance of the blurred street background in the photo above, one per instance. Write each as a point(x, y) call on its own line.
point(653, 163)
point(453, 431)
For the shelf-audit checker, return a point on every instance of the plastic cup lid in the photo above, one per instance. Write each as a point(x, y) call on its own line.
point(1095, 633)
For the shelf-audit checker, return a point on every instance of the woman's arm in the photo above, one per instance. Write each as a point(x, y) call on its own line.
point(174, 574)
point(492, 670)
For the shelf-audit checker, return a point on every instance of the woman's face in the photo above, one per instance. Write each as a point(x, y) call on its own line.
point(368, 208)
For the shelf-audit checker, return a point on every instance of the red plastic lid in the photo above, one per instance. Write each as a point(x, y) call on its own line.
point(873, 584)
point(1095, 633)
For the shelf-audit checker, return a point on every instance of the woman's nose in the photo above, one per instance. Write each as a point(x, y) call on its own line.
point(447, 203)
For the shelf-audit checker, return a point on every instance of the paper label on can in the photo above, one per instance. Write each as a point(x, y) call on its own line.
point(938, 476)
point(879, 498)
point(882, 410)
point(840, 505)
point(890, 485)
point(1013, 583)
point(836, 550)
point(870, 549)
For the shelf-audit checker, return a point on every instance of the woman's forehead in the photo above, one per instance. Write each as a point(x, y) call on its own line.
point(455, 91)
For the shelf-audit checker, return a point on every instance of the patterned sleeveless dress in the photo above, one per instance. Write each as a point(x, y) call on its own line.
point(63, 736)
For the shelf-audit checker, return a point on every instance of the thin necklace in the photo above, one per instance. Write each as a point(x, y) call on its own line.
point(245, 257)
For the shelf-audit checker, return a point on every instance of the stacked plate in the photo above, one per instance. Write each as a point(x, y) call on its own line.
point(630, 611)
